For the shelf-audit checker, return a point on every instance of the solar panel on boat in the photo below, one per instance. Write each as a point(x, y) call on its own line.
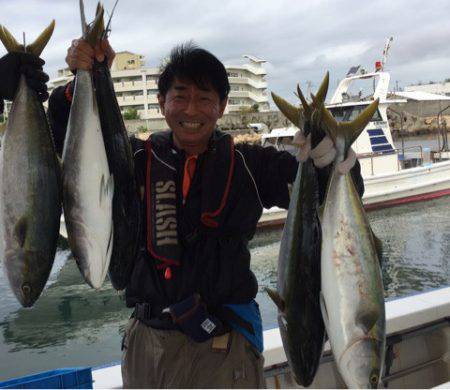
point(375, 132)
point(378, 141)
point(382, 148)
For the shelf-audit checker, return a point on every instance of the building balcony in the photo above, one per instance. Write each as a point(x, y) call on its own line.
point(245, 80)
point(128, 86)
point(257, 98)
point(151, 84)
point(130, 100)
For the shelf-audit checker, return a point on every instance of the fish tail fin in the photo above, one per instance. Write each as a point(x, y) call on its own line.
point(318, 101)
point(324, 311)
point(276, 298)
point(349, 130)
point(292, 113)
point(98, 10)
point(83, 18)
point(35, 48)
point(323, 89)
point(9, 41)
point(353, 129)
point(41, 41)
point(306, 107)
point(95, 30)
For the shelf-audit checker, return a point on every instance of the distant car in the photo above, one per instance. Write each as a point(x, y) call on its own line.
point(281, 139)
point(258, 127)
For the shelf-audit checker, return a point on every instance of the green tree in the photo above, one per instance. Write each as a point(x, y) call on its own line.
point(131, 113)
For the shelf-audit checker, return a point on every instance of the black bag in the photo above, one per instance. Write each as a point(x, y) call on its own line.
point(194, 320)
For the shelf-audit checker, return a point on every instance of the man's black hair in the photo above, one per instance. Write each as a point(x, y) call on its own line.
point(190, 62)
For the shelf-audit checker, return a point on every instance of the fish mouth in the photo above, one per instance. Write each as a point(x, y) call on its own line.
point(361, 363)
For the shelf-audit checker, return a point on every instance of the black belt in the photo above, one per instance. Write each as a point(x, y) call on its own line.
point(153, 316)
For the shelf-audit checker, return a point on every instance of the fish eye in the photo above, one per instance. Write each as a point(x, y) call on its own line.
point(374, 379)
point(26, 288)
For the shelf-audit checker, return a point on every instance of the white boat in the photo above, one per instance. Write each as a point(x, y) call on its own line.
point(417, 353)
point(391, 176)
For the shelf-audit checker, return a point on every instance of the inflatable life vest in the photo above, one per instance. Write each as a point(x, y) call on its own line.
point(218, 166)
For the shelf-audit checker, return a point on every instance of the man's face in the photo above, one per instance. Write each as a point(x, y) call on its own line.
point(192, 113)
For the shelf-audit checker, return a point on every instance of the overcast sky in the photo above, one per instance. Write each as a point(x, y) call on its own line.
point(299, 39)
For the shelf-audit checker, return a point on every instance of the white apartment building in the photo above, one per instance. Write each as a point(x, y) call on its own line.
point(136, 85)
point(248, 85)
point(440, 88)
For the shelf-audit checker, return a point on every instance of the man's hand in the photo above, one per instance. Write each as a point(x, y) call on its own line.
point(12, 65)
point(81, 55)
point(323, 154)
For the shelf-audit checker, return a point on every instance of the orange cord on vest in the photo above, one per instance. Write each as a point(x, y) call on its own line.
point(189, 170)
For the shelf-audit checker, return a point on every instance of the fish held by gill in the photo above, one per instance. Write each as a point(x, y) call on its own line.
point(298, 284)
point(88, 186)
point(30, 195)
point(126, 208)
point(352, 295)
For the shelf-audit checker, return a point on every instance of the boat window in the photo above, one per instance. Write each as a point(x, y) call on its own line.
point(269, 141)
point(349, 113)
point(285, 144)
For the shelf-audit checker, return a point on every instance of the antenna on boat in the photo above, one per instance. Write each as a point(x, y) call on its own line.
point(387, 46)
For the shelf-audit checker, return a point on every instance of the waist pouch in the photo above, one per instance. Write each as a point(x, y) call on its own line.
point(194, 320)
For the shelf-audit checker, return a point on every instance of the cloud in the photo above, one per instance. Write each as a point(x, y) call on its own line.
point(299, 39)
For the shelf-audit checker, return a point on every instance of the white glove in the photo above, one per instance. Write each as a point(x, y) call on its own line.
point(323, 154)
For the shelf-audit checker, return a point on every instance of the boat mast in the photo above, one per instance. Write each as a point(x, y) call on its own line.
point(387, 46)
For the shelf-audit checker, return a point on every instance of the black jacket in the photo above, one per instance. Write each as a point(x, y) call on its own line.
point(214, 262)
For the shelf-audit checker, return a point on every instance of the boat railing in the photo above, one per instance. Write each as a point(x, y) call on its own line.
point(397, 151)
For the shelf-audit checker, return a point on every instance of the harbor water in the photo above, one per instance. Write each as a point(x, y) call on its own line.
point(74, 325)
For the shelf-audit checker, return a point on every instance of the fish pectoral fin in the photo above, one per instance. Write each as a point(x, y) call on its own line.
point(110, 242)
point(320, 212)
point(276, 298)
point(379, 247)
point(367, 316)
point(106, 188)
point(323, 309)
point(20, 230)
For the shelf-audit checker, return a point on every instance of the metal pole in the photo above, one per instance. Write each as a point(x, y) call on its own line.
point(401, 115)
point(444, 136)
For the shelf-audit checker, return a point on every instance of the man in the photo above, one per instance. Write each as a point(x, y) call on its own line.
point(195, 322)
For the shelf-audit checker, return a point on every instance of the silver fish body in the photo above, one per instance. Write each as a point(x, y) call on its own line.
point(30, 197)
point(352, 287)
point(87, 185)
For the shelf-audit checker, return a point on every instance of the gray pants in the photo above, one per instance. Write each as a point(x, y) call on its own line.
point(155, 358)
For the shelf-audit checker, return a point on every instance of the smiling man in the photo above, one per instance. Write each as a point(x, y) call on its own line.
point(195, 322)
